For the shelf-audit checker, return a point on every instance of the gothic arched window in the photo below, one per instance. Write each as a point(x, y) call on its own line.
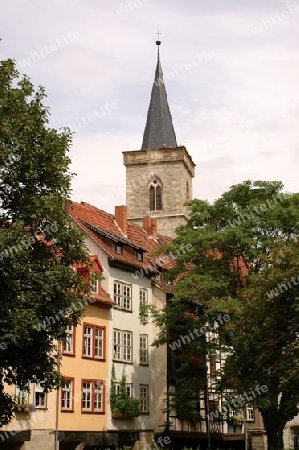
point(155, 196)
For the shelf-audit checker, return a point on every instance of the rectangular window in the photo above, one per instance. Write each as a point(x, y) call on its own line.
point(213, 405)
point(129, 389)
point(122, 345)
point(99, 343)
point(213, 371)
point(142, 297)
point(139, 256)
point(93, 342)
point(94, 283)
point(144, 398)
point(92, 396)
point(117, 337)
point(249, 414)
point(40, 397)
point(88, 350)
point(122, 295)
point(22, 396)
point(67, 395)
point(143, 349)
point(127, 346)
point(117, 289)
point(69, 344)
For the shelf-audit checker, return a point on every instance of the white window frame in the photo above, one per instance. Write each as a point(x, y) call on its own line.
point(122, 345)
point(92, 342)
point(249, 413)
point(88, 341)
point(143, 296)
point(98, 397)
point(69, 341)
point(122, 295)
point(99, 343)
point(129, 389)
point(94, 283)
point(67, 396)
point(39, 393)
point(87, 396)
point(92, 398)
point(22, 395)
point(144, 398)
point(143, 349)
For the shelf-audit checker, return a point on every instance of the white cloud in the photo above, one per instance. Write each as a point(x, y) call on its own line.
point(251, 79)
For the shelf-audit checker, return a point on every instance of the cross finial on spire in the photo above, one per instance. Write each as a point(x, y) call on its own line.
point(158, 42)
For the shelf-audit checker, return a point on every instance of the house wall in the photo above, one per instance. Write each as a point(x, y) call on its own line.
point(129, 321)
point(41, 423)
point(79, 368)
point(291, 430)
point(160, 371)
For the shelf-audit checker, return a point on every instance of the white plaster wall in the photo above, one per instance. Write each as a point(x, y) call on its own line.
point(129, 321)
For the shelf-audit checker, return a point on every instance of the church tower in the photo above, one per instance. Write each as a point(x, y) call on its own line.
point(159, 176)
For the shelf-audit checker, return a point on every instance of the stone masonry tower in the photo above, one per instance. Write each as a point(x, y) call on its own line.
point(159, 176)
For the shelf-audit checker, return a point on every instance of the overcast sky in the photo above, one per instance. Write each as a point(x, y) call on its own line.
point(231, 69)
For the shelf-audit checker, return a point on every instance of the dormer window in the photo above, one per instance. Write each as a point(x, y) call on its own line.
point(118, 249)
point(139, 256)
point(94, 283)
point(155, 196)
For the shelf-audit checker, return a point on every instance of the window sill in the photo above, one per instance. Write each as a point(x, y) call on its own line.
point(123, 309)
point(93, 412)
point(67, 410)
point(91, 358)
point(72, 355)
point(122, 362)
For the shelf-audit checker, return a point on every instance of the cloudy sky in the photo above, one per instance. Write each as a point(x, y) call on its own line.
point(231, 71)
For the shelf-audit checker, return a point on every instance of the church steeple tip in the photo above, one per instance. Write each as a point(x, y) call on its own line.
point(159, 131)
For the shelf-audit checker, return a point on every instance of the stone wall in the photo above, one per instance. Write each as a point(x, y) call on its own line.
point(173, 168)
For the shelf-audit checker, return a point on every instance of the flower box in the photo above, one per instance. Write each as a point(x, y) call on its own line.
point(21, 408)
point(118, 416)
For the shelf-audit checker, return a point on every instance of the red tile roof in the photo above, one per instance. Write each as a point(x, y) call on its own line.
point(102, 228)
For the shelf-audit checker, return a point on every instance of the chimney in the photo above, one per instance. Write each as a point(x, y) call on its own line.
point(150, 226)
point(154, 229)
point(121, 218)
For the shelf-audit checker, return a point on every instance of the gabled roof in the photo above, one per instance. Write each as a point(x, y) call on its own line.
point(101, 298)
point(102, 228)
point(159, 131)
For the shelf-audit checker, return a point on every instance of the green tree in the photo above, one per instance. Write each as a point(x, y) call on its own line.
point(243, 259)
point(39, 291)
point(122, 406)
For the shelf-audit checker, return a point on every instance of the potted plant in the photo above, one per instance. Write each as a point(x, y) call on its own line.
point(237, 420)
point(122, 406)
point(21, 404)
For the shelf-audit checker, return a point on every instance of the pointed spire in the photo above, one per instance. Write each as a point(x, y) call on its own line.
point(159, 131)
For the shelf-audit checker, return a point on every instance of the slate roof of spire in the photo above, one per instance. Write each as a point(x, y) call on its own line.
point(159, 131)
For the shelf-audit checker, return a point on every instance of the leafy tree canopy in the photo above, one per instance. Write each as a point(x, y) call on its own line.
point(244, 261)
point(39, 291)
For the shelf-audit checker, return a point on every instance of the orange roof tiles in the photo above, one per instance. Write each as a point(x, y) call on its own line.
point(103, 229)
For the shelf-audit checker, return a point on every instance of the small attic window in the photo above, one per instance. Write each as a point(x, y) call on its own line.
point(139, 256)
point(159, 277)
point(94, 283)
point(118, 249)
